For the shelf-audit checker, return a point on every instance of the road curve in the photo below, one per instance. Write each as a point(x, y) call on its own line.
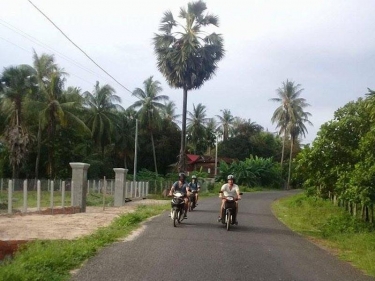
point(259, 248)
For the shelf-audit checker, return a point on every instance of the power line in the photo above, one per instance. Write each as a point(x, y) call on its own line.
point(36, 41)
point(79, 47)
point(28, 51)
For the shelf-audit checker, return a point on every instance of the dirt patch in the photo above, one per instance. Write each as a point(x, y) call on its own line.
point(59, 223)
point(62, 224)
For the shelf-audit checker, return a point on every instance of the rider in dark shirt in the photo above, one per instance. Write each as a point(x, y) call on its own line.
point(182, 186)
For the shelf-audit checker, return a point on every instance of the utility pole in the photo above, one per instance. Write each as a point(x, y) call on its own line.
point(216, 158)
point(135, 152)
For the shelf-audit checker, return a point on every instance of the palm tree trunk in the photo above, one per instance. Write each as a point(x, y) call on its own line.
point(181, 163)
point(282, 150)
point(290, 161)
point(153, 151)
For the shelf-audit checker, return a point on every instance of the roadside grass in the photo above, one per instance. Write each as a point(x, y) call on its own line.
point(55, 259)
point(330, 226)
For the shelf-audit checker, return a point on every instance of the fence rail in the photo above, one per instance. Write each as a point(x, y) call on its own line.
point(32, 195)
point(25, 196)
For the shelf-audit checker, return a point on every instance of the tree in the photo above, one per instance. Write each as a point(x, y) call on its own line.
point(44, 66)
point(17, 82)
point(101, 115)
point(211, 134)
point(225, 121)
point(168, 113)
point(245, 127)
point(57, 109)
point(288, 96)
point(149, 105)
point(196, 128)
point(186, 55)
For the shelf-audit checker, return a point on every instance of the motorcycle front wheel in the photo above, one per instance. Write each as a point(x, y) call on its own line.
point(179, 216)
point(174, 217)
point(228, 219)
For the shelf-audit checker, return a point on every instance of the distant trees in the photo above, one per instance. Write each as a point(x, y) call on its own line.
point(62, 125)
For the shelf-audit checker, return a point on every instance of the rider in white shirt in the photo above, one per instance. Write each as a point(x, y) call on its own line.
point(229, 189)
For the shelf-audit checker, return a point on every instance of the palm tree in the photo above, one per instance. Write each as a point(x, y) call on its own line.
point(149, 105)
point(124, 145)
point(290, 113)
point(186, 56)
point(225, 121)
point(196, 128)
point(211, 133)
point(56, 108)
point(101, 116)
point(44, 66)
point(17, 82)
point(244, 127)
point(288, 96)
point(168, 113)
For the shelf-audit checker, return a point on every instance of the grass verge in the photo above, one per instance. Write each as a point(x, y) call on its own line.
point(54, 259)
point(330, 226)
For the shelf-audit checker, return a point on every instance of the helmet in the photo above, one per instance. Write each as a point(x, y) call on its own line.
point(194, 177)
point(230, 177)
point(182, 176)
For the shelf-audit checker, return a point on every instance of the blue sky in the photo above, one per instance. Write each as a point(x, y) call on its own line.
point(327, 47)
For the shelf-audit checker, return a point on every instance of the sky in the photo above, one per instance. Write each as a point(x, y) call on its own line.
point(328, 47)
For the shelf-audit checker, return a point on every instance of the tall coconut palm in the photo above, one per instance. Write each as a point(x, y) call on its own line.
point(186, 55)
point(56, 107)
point(44, 66)
point(211, 133)
point(124, 145)
point(17, 82)
point(56, 110)
point(288, 96)
point(149, 105)
point(225, 121)
point(196, 127)
point(102, 105)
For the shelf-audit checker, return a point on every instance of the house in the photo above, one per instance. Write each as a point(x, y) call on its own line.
point(204, 162)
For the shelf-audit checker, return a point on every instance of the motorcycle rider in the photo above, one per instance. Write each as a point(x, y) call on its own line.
point(229, 189)
point(181, 186)
point(194, 185)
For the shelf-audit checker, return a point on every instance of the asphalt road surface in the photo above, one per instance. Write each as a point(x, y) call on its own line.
point(258, 248)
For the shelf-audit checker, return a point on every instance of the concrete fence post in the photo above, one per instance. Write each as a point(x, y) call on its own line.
point(25, 196)
point(79, 178)
point(63, 194)
point(10, 196)
point(38, 194)
point(120, 185)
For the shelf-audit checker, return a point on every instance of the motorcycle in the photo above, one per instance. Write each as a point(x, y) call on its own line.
point(177, 208)
point(228, 213)
point(192, 200)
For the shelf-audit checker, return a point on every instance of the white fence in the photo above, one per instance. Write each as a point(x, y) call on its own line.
point(59, 193)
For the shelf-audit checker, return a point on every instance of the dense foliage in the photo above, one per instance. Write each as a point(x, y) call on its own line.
point(340, 164)
point(252, 172)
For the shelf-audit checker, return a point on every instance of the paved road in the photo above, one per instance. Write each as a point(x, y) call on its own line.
point(259, 248)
